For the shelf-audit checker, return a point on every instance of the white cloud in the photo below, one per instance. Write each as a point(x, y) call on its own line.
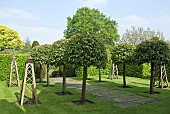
point(94, 3)
point(17, 13)
point(42, 34)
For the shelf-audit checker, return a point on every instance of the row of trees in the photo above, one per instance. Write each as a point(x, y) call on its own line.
point(88, 34)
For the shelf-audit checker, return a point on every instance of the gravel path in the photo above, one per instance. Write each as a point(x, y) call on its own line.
point(124, 100)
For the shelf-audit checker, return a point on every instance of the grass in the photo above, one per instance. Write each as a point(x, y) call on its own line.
point(54, 104)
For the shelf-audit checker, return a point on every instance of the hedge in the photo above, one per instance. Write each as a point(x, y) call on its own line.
point(5, 62)
point(133, 70)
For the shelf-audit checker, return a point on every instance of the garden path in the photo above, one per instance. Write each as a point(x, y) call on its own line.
point(123, 99)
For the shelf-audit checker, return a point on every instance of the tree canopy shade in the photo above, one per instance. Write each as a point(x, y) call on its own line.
point(154, 51)
point(84, 51)
point(123, 53)
point(9, 39)
point(136, 35)
point(92, 22)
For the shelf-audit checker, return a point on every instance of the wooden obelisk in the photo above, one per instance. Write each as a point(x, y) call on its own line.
point(161, 79)
point(13, 73)
point(29, 79)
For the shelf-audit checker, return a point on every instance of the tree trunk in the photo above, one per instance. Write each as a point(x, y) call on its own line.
point(124, 77)
point(84, 85)
point(48, 78)
point(40, 73)
point(64, 80)
point(152, 78)
point(100, 77)
point(113, 71)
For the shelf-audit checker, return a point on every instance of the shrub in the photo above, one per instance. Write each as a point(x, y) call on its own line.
point(5, 62)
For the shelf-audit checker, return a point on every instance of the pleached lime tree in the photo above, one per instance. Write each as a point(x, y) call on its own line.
point(84, 51)
point(153, 51)
point(57, 58)
point(123, 53)
point(41, 55)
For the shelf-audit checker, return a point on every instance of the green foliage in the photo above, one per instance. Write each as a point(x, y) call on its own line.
point(27, 46)
point(41, 54)
point(9, 39)
point(134, 70)
point(123, 53)
point(85, 51)
point(5, 62)
point(154, 50)
point(58, 49)
point(34, 44)
point(92, 22)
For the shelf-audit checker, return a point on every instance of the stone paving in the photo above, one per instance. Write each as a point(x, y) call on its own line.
point(124, 100)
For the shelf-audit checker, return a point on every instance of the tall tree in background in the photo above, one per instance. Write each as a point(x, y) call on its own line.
point(34, 44)
point(27, 45)
point(36, 65)
point(136, 35)
point(9, 39)
point(153, 51)
point(92, 22)
point(84, 51)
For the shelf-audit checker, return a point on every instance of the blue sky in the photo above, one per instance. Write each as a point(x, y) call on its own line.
point(45, 20)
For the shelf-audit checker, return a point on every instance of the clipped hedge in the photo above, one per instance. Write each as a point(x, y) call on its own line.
point(5, 62)
point(134, 70)
point(93, 71)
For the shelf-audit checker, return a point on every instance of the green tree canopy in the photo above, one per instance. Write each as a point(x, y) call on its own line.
point(34, 44)
point(154, 51)
point(58, 49)
point(123, 53)
point(136, 35)
point(9, 39)
point(92, 22)
point(41, 55)
point(84, 51)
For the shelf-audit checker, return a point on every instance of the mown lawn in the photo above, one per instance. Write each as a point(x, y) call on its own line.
point(54, 104)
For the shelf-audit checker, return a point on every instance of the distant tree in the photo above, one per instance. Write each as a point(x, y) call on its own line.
point(123, 53)
point(27, 45)
point(84, 51)
point(136, 35)
point(92, 22)
point(153, 51)
point(41, 55)
point(35, 43)
point(57, 59)
point(9, 39)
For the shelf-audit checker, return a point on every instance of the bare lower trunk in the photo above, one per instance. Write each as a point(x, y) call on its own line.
point(124, 77)
point(100, 77)
point(152, 78)
point(84, 85)
point(64, 80)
